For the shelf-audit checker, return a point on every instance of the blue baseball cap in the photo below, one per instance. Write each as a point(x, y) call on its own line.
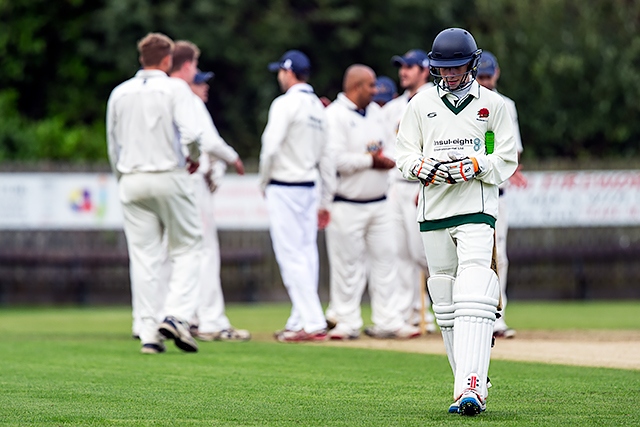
point(488, 64)
point(202, 77)
point(386, 89)
point(413, 57)
point(293, 60)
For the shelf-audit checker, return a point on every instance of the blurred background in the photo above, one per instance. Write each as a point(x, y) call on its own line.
point(572, 70)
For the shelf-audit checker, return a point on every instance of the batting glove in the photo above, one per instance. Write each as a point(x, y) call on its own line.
point(462, 169)
point(429, 171)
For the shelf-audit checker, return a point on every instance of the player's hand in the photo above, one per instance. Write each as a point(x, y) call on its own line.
point(518, 179)
point(428, 171)
point(323, 218)
point(192, 166)
point(382, 162)
point(239, 166)
point(212, 185)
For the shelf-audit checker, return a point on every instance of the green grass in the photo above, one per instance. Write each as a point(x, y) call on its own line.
point(79, 367)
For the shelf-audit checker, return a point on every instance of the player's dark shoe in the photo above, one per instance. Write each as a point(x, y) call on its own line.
point(331, 323)
point(153, 348)
point(174, 329)
point(505, 333)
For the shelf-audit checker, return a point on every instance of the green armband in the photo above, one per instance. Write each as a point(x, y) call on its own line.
point(489, 141)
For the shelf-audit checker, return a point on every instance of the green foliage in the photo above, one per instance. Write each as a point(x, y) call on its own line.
point(571, 69)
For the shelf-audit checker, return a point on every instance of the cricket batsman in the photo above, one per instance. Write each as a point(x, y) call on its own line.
point(456, 138)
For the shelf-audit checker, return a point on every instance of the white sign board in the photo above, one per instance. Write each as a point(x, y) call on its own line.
point(59, 200)
point(90, 201)
point(576, 199)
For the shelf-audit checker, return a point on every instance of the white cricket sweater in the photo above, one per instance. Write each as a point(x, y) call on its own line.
point(431, 127)
point(352, 138)
point(143, 115)
point(211, 142)
point(294, 142)
point(393, 111)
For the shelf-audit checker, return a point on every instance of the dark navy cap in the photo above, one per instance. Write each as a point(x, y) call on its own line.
point(413, 57)
point(386, 89)
point(293, 60)
point(202, 77)
point(488, 64)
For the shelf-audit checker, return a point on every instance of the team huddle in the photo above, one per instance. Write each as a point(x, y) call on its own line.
point(406, 187)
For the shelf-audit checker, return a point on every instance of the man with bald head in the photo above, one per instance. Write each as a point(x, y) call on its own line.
point(359, 236)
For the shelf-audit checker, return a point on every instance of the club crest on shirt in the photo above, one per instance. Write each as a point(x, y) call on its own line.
point(483, 114)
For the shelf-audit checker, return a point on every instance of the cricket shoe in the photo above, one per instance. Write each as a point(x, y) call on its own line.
point(178, 331)
point(341, 332)
point(301, 336)
point(153, 348)
point(229, 334)
point(505, 333)
point(470, 404)
point(404, 332)
point(454, 408)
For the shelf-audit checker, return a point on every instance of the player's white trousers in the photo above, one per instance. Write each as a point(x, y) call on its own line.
point(502, 228)
point(211, 311)
point(411, 259)
point(293, 224)
point(152, 204)
point(361, 247)
point(456, 251)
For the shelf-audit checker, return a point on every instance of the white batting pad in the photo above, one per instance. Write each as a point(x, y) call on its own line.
point(475, 296)
point(441, 293)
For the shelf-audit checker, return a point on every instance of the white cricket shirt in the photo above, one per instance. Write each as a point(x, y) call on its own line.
point(393, 111)
point(211, 142)
point(143, 115)
point(352, 138)
point(294, 142)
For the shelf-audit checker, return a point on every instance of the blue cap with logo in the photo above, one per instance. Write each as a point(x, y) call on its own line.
point(293, 60)
point(413, 57)
point(386, 89)
point(202, 77)
point(488, 64)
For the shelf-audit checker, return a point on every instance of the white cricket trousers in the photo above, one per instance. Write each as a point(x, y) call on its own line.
point(293, 224)
point(502, 228)
point(211, 310)
point(411, 260)
point(155, 203)
point(361, 247)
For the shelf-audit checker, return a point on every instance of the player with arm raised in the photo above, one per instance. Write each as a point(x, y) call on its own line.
point(445, 141)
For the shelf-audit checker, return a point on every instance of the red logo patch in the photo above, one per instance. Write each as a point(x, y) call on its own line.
point(483, 113)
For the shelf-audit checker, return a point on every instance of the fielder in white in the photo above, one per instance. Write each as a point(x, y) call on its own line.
point(294, 159)
point(413, 72)
point(360, 242)
point(156, 191)
point(488, 75)
point(457, 139)
point(210, 322)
